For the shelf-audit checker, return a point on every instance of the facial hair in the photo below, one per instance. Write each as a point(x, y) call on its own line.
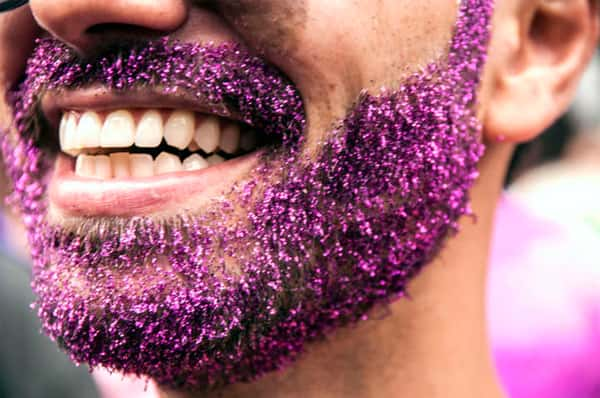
point(221, 296)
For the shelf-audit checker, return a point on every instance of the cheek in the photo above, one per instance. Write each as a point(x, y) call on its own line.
point(371, 39)
point(345, 47)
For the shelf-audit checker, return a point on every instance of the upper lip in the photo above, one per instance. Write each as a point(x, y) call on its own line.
point(54, 103)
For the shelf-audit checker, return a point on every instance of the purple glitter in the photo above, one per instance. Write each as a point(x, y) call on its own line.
point(225, 296)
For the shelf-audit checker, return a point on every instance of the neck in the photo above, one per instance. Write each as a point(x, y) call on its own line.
point(433, 344)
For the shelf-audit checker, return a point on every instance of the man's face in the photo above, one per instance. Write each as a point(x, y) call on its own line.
point(155, 256)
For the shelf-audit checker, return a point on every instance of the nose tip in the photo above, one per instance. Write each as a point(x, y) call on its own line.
point(86, 24)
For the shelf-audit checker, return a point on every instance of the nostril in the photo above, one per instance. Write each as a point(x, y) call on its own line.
point(122, 29)
point(86, 24)
point(106, 37)
point(8, 5)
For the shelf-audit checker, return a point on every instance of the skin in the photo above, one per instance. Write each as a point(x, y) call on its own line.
point(428, 345)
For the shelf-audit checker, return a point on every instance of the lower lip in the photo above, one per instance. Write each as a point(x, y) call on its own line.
point(77, 196)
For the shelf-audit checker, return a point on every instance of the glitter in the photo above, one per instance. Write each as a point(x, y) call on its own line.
point(225, 296)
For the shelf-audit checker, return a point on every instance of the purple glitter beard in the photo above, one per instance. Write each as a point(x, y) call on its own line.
point(317, 249)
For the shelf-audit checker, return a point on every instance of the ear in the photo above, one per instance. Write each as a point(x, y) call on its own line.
point(538, 52)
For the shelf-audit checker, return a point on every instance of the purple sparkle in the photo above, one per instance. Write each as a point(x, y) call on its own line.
point(225, 296)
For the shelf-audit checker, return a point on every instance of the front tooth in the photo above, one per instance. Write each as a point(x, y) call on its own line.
point(118, 130)
point(62, 132)
point(194, 162)
point(70, 134)
point(85, 166)
point(141, 165)
point(150, 130)
point(103, 167)
point(214, 160)
point(120, 164)
point(88, 131)
point(167, 163)
point(248, 140)
point(207, 134)
point(179, 129)
point(230, 138)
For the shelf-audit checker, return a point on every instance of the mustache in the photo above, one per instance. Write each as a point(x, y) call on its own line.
point(222, 76)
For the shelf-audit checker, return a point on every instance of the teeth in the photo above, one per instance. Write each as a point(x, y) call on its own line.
point(88, 131)
point(124, 165)
point(179, 129)
point(230, 138)
point(69, 139)
point(141, 165)
point(62, 132)
point(167, 163)
point(103, 167)
point(118, 130)
point(150, 130)
point(85, 166)
point(120, 164)
point(214, 160)
point(208, 134)
point(194, 162)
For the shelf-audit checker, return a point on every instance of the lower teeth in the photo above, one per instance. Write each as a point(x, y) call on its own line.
point(139, 165)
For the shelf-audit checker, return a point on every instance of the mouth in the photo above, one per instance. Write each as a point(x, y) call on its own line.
point(105, 137)
point(133, 158)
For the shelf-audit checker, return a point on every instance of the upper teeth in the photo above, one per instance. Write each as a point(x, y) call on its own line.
point(83, 134)
point(180, 129)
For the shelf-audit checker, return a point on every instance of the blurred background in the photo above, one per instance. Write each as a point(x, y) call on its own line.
point(544, 282)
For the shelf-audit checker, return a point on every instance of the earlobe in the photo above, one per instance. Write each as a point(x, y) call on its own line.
point(541, 50)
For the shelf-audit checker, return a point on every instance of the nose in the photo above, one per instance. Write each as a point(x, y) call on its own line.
point(86, 24)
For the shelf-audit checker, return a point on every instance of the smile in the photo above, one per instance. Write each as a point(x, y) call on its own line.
point(138, 161)
point(125, 144)
point(157, 143)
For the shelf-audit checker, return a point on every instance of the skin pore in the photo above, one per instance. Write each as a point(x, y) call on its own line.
point(434, 343)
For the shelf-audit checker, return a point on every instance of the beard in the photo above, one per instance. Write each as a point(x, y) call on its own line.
point(309, 243)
